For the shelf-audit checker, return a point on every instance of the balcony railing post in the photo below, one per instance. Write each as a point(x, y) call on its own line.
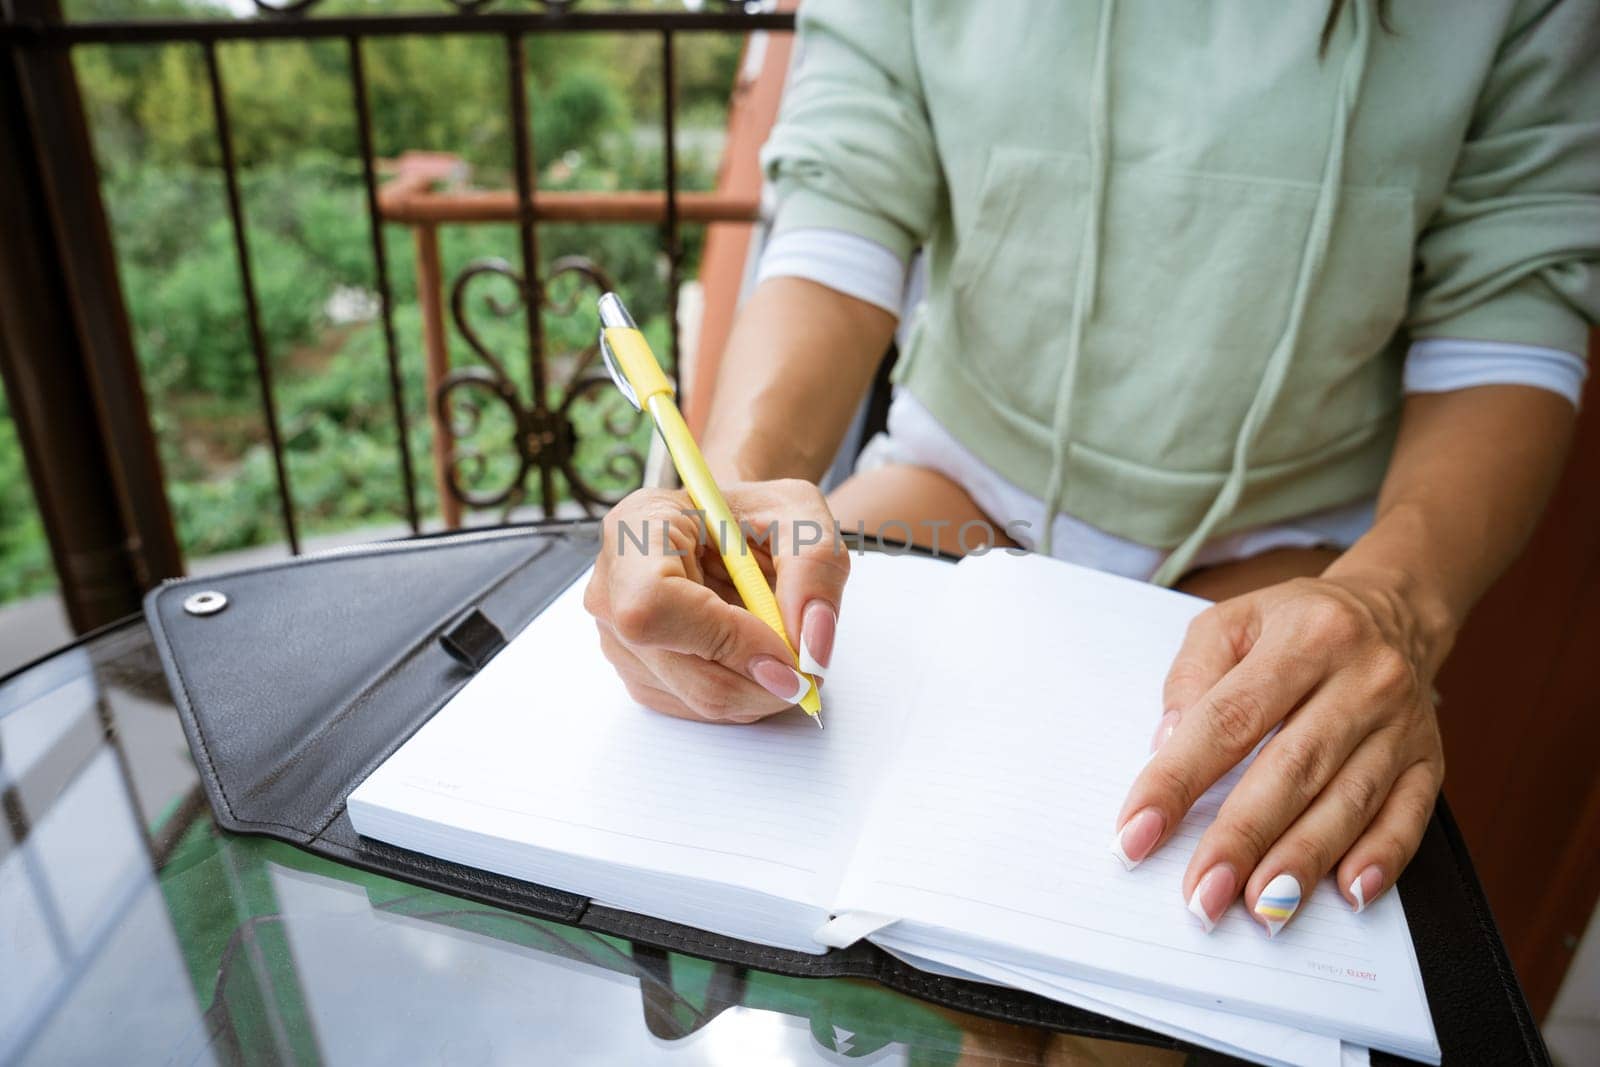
point(436, 357)
point(380, 270)
point(66, 350)
point(525, 170)
point(247, 286)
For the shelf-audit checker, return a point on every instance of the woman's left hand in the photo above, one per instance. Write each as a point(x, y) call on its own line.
point(1344, 667)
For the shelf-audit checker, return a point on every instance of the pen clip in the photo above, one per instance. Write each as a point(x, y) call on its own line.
point(617, 377)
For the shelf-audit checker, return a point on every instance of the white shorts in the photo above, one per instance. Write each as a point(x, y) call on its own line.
point(916, 438)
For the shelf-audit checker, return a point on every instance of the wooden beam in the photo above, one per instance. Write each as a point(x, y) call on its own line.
point(644, 206)
point(66, 347)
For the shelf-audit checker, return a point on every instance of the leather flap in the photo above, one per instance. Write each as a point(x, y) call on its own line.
point(318, 668)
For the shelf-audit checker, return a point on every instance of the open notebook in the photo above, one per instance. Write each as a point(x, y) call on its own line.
point(983, 723)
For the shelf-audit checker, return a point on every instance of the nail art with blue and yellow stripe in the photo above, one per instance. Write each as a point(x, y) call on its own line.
point(1278, 902)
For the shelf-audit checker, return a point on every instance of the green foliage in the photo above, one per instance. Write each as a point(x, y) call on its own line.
point(594, 107)
point(580, 108)
point(24, 554)
point(180, 267)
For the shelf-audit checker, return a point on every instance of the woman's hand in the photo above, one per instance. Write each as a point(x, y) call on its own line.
point(671, 622)
point(1343, 667)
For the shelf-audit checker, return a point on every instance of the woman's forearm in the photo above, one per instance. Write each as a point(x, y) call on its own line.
point(1471, 473)
point(798, 361)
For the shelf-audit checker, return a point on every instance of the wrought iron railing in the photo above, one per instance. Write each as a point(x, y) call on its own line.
point(37, 43)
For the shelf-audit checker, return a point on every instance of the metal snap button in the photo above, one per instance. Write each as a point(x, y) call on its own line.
point(206, 602)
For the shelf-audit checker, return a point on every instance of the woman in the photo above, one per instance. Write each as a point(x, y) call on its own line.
point(1284, 307)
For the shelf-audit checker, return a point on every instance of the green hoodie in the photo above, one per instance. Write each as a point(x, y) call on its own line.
point(1175, 256)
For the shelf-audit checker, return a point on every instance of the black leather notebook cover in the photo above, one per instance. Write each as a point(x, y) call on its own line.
point(318, 668)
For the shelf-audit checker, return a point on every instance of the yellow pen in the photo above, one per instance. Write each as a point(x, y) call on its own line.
point(634, 369)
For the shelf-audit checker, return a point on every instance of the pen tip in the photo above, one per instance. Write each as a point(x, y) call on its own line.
point(818, 717)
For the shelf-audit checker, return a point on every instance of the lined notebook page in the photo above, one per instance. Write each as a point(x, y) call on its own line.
point(993, 827)
point(545, 749)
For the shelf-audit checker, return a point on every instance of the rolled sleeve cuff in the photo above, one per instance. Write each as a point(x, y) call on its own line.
point(801, 207)
point(843, 261)
point(1552, 310)
point(1441, 365)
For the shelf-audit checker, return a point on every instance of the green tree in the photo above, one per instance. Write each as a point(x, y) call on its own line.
point(25, 566)
point(594, 105)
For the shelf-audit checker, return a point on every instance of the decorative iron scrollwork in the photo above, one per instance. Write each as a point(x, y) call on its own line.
point(540, 429)
point(285, 7)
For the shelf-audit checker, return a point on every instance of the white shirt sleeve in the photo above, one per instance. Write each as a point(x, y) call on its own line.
point(1442, 364)
point(862, 268)
point(844, 262)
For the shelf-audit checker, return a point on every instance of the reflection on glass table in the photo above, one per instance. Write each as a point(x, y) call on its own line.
point(133, 930)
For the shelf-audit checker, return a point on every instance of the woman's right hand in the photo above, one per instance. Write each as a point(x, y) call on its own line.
point(671, 622)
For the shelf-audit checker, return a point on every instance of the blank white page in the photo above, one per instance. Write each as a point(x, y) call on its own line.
point(991, 832)
point(545, 753)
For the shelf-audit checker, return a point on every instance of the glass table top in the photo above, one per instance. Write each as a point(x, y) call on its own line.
point(133, 930)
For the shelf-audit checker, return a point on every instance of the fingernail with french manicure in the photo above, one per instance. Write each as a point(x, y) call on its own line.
point(1212, 895)
point(817, 625)
point(1164, 728)
point(1137, 837)
point(1366, 887)
point(1278, 902)
point(779, 679)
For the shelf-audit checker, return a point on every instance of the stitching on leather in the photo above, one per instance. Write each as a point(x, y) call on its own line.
point(489, 891)
point(491, 886)
point(669, 938)
point(211, 774)
point(891, 973)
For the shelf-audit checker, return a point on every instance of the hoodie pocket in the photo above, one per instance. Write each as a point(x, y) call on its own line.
point(1197, 274)
point(1013, 273)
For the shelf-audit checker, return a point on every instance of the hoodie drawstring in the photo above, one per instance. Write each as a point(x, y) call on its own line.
point(1312, 257)
point(1088, 281)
